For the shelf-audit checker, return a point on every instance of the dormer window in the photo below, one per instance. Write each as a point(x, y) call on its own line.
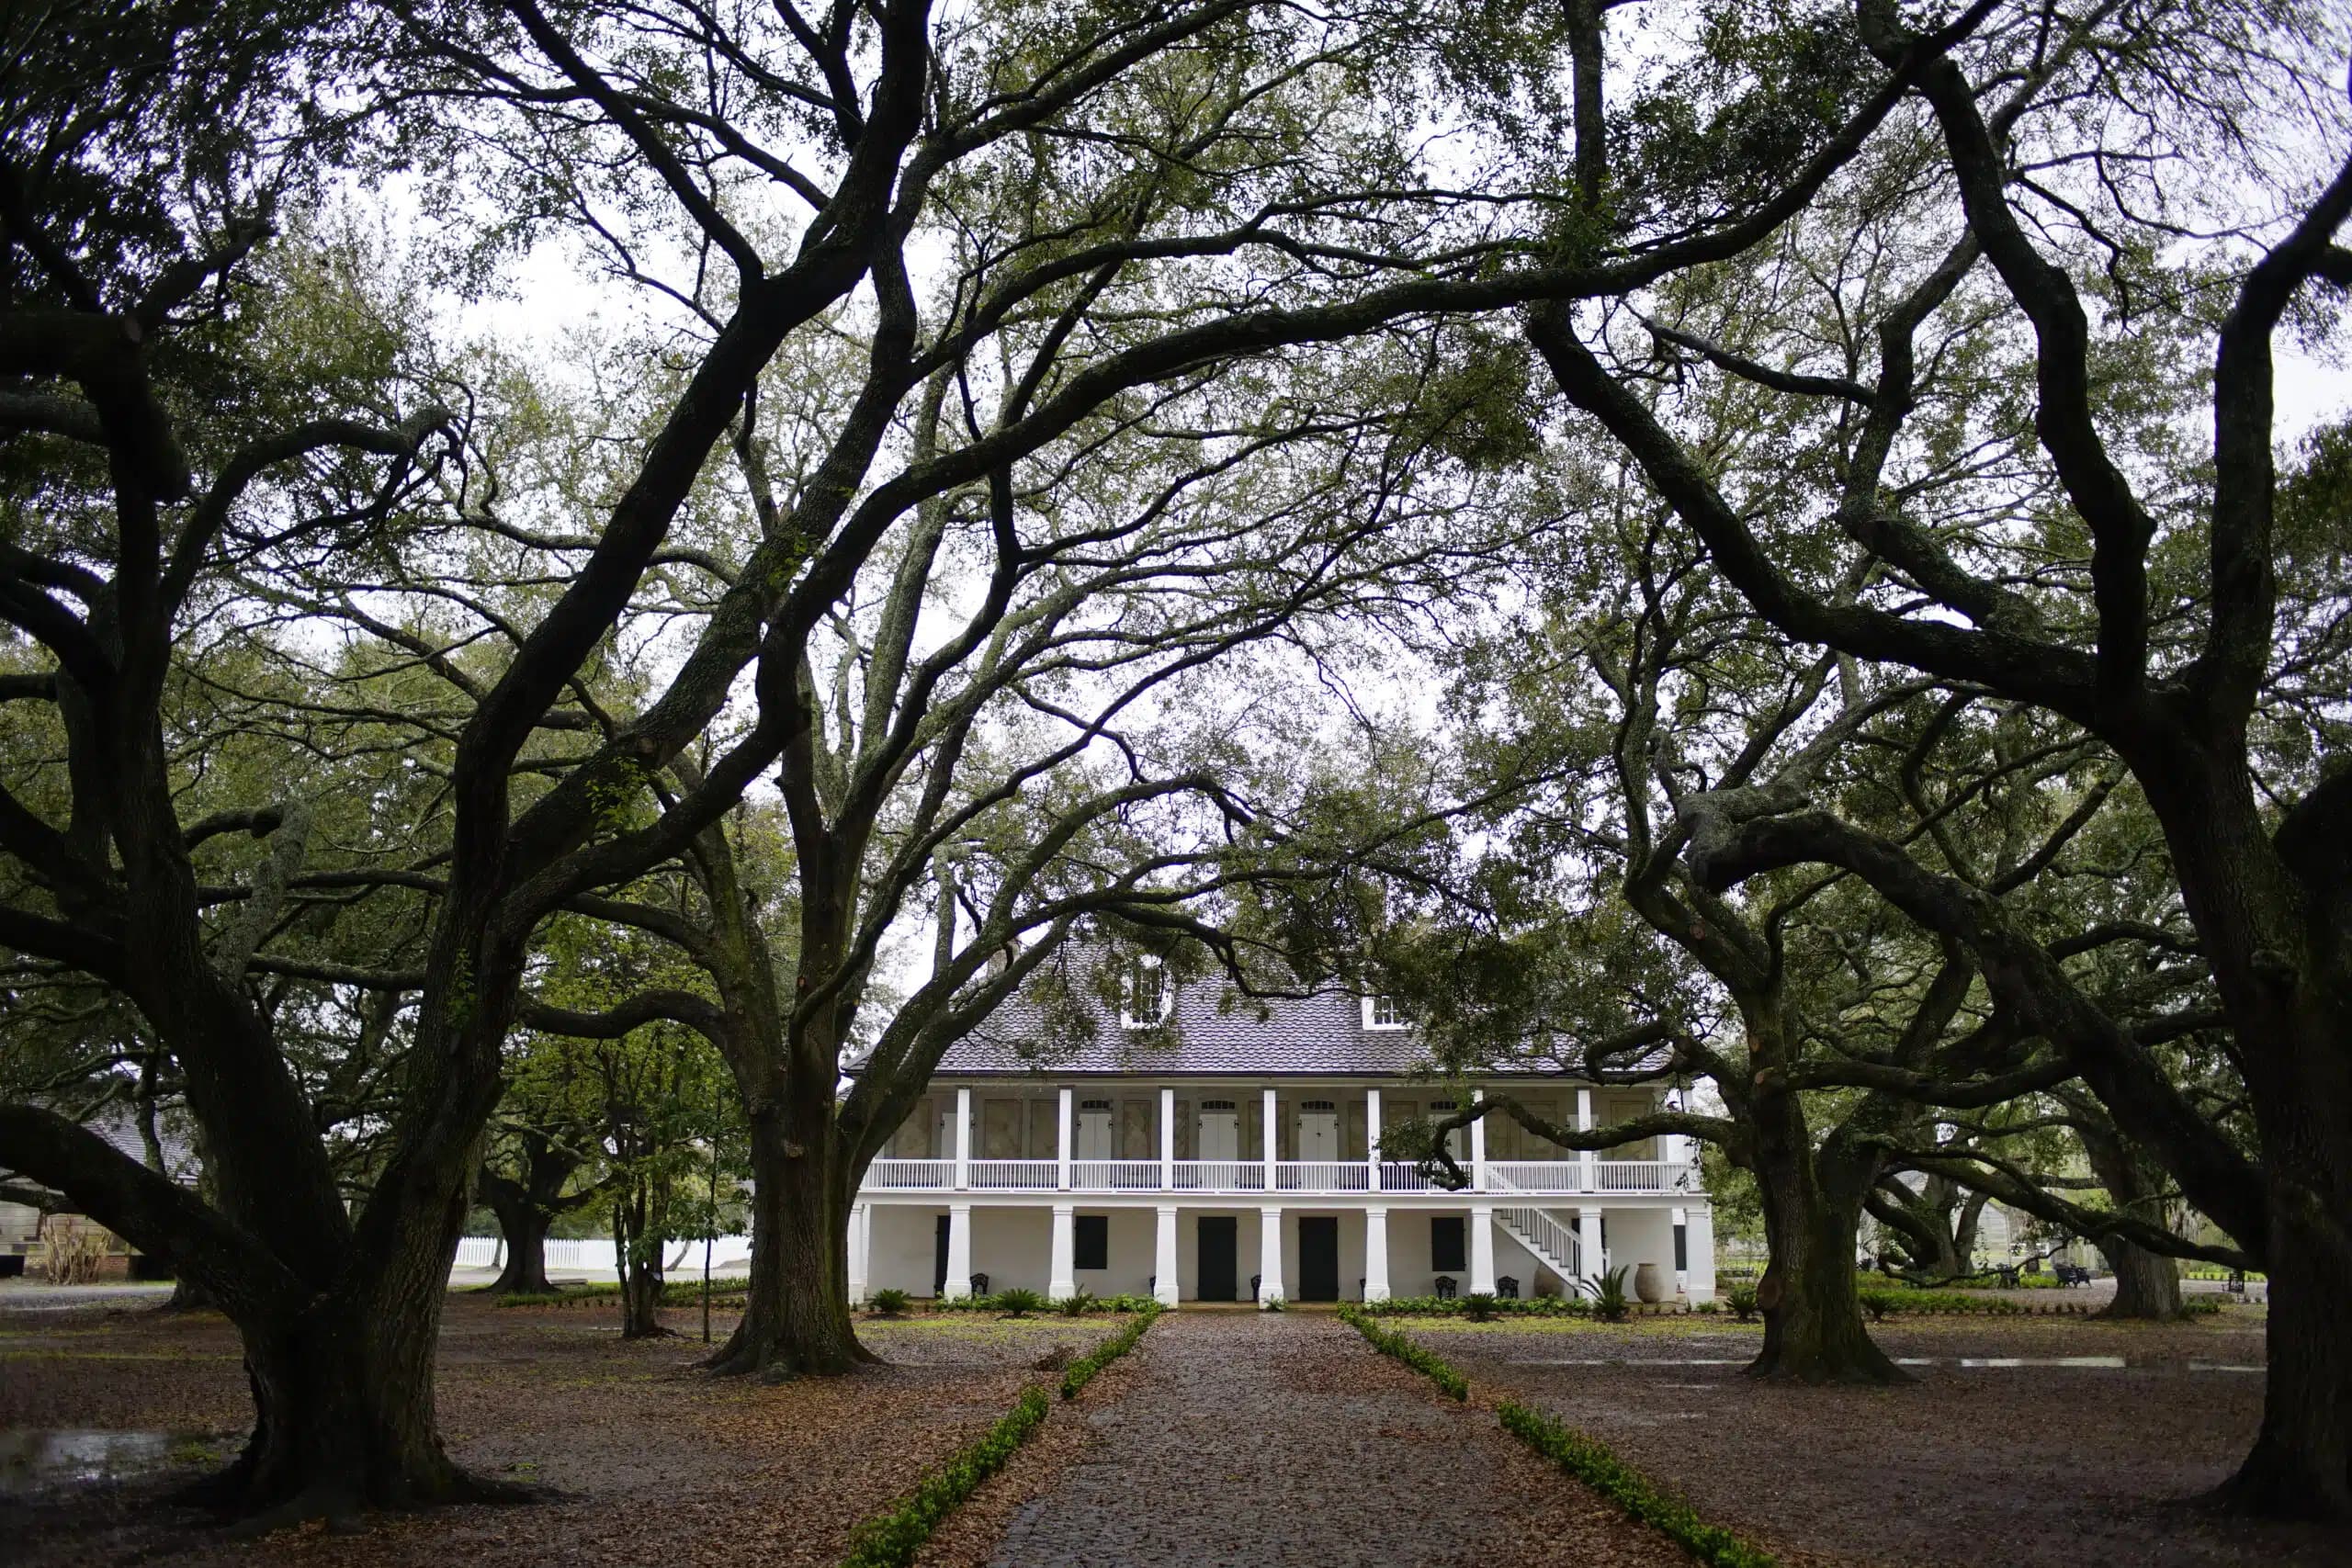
point(1146, 999)
point(1382, 1012)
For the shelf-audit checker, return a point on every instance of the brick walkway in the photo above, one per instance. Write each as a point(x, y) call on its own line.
point(1264, 1439)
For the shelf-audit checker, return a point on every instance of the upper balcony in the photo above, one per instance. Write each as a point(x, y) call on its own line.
point(1205, 1178)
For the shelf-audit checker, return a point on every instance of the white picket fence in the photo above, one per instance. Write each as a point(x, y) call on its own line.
point(595, 1257)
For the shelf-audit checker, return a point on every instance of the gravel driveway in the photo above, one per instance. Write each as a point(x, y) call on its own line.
point(1264, 1439)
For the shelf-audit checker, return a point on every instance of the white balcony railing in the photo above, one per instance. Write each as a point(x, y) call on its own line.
point(911, 1175)
point(1322, 1176)
point(1114, 1176)
point(1014, 1175)
point(1221, 1176)
point(1542, 1178)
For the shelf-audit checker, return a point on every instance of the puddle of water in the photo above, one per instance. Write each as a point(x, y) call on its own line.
point(34, 1458)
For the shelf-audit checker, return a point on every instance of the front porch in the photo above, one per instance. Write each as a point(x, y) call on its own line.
point(1296, 1251)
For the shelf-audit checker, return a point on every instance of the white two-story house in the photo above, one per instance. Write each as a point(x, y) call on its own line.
point(1207, 1151)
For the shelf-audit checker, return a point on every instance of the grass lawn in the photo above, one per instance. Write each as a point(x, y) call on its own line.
point(652, 1461)
point(2077, 1451)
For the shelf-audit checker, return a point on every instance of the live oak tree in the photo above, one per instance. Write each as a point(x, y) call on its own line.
point(132, 497)
point(2172, 616)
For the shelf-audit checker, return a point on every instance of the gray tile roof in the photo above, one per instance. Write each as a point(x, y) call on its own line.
point(1214, 1032)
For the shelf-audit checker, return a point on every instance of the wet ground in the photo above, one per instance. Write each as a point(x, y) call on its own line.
point(2023, 1442)
point(106, 1408)
point(1265, 1440)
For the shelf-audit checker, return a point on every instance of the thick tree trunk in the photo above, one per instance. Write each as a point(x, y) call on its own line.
point(1813, 1205)
point(796, 1316)
point(2273, 909)
point(2147, 1285)
point(344, 1407)
point(2302, 1462)
point(525, 1227)
point(637, 1249)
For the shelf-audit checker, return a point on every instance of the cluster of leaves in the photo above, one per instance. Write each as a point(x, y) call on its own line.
point(1592, 1462)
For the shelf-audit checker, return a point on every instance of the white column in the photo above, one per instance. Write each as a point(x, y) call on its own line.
point(861, 1249)
point(1482, 1249)
point(1375, 1255)
point(959, 1251)
point(1478, 1145)
point(1699, 1237)
point(1270, 1246)
point(1167, 1139)
point(1061, 1280)
point(1589, 1263)
point(1164, 1268)
point(964, 1140)
point(1372, 1158)
point(1062, 1170)
point(1586, 1182)
point(1270, 1140)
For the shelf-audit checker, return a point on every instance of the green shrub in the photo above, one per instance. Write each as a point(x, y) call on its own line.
point(1082, 1372)
point(1439, 1306)
point(891, 1540)
point(1388, 1342)
point(1607, 1292)
point(1129, 1303)
point(1077, 1304)
point(1273, 1304)
point(2200, 1306)
point(890, 1302)
point(1706, 1309)
point(1591, 1462)
point(1745, 1302)
point(1478, 1307)
point(1017, 1302)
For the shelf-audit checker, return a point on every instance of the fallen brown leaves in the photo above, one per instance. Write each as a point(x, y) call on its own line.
point(649, 1461)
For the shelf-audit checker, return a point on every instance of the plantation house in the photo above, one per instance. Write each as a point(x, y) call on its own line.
point(1197, 1149)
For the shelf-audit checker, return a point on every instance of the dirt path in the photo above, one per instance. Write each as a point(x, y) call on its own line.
point(1265, 1439)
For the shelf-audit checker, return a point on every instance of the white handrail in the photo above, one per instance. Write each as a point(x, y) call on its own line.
point(1552, 1242)
point(1114, 1175)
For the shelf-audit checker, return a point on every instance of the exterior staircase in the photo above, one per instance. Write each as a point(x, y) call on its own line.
point(1552, 1244)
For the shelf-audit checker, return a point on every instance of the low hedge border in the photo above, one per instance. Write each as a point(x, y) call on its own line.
point(1388, 1342)
point(674, 1293)
point(1082, 1372)
point(1592, 1462)
point(1585, 1457)
point(892, 1538)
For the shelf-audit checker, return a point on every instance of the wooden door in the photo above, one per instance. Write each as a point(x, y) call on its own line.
point(1318, 1257)
point(1219, 1247)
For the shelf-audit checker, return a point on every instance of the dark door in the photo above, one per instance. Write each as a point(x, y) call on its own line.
point(939, 1259)
point(1318, 1257)
point(1219, 1244)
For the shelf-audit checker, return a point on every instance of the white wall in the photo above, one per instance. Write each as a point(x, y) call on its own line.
point(1643, 1236)
point(1012, 1243)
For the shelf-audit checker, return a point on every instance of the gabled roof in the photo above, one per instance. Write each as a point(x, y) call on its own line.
point(1211, 1031)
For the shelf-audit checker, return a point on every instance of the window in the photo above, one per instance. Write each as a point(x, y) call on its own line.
point(1144, 987)
point(1311, 1106)
point(1446, 1245)
point(1091, 1242)
point(1382, 1012)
